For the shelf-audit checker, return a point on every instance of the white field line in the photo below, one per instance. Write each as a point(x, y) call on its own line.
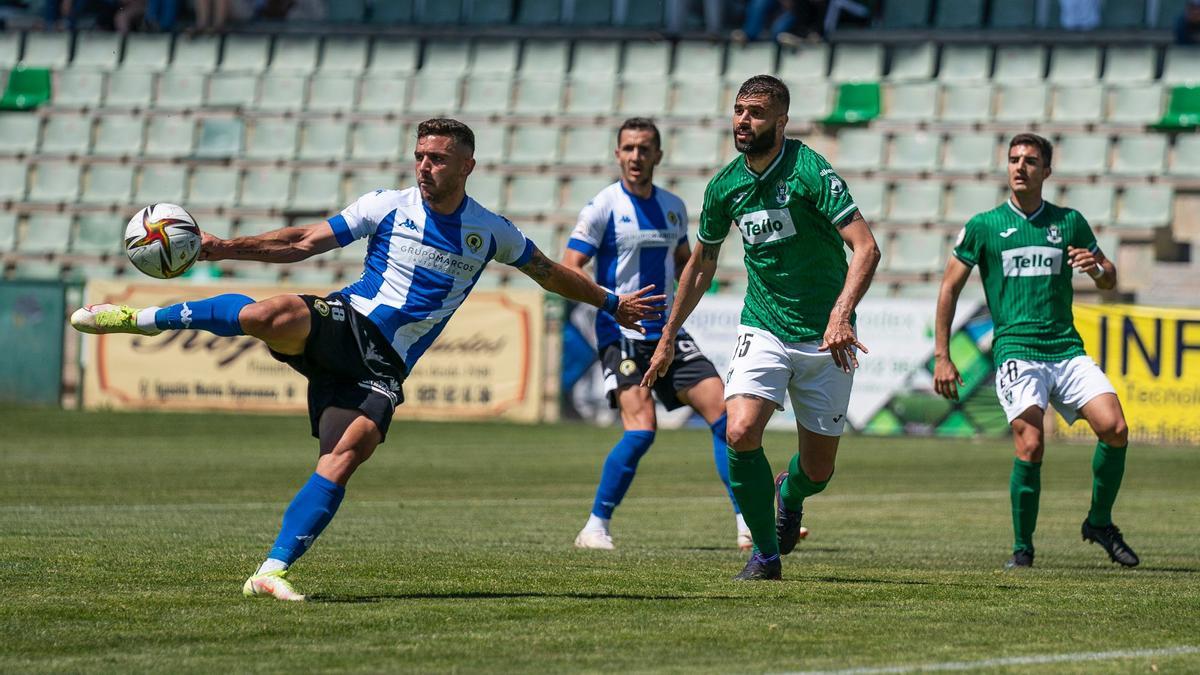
point(1076, 657)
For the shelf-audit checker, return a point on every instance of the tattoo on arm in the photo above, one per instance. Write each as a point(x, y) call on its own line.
point(539, 267)
point(847, 221)
point(710, 252)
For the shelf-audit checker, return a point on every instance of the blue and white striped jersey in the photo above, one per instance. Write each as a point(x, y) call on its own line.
point(633, 241)
point(420, 264)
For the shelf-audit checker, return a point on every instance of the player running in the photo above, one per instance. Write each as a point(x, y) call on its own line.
point(638, 234)
point(797, 327)
point(427, 247)
point(1020, 247)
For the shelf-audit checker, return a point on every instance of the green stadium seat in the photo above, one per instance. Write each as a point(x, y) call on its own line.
point(331, 93)
point(324, 139)
point(534, 145)
point(745, 61)
point(27, 89)
point(294, 55)
point(1145, 207)
point(588, 146)
point(46, 50)
point(220, 138)
point(498, 57)
point(197, 54)
point(445, 57)
point(857, 103)
point(272, 139)
point(1182, 66)
point(317, 190)
point(857, 63)
point(434, 94)
point(488, 12)
point(597, 57)
point(968, 199)
point(1082, 104)
point(362, 181)
point(1074, 65)
point(595, 96)
point(1094, 200)
point(913, 63)
point(8, 230)
point(916, 202)
point(245, 53)
point(343, 55)
point(384, 93)
point(541, 96)
point(539, 12)
point(118, 136)
point(10, 48)
point(644, 97)
point(265, 188)
point(491, 143)
point(393, 55)
point(917, 252)
point(1140, 155)
point(66, 135)
point(695, 147)
point(12, 180)
point(54, 182)
point(1125, 64)
point(533, 195)
point(1013, 14)
point(971, 153)
point(45, 233)
point(1123, 14)
point(648, 59)
point(1183, 109)
point(282, 93)
point(544, 57)
point(487, 189)
point(96, 51)
point(1081, 155)
point(959, 14)
point(696, 59)
point(965, 64)
point(1135, 104)
point(581, 189)
point(915, 152)
point(907, 15)
point(1186, 156)
point(1025, 103)
point(912, 102)
point(645, 14)
point(860, 150)
point(77, 88)
point(487, 94)
point(804, 64)
point(1019, 64)
point(161, 183)
point(697, 98)
point(147, 52)
point(213, 186)
point(232, 90)
point(180, 90)
point(129, 88)
point(108, 184)
point(169, 136)
point(19, 133)
point(391, 11)
point(374, 141)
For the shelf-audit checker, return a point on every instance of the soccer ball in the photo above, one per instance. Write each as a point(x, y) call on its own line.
point(162, 240)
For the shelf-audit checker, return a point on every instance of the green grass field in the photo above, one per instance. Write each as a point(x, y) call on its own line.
point(124, 541)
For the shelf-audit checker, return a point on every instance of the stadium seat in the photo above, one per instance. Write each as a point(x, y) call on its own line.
point(1135, 104)
point(968, 199)
point(967, 103)
point(8, 230)
point(596, 57)
point(54, 182)
point(908, 14)
point(916, 152)
point(488, 12)
point(697, 98)
point(912, 102)
point(264, 188)
point(161, 183)
point(1123, 14)
point(647, 58)
point(331, 93)
point(46, 233)
point(971, 153)
point(534, 145)
point(1186, 156)
point(959, 14)
point(1183, 109)
point(539, 12)
point(1081, 155)
point(581, 190)
point(282, 93)
point(860, 150)
point(10, 48)
point(748, 60)
point(498, 57)
point(965, 63)
point(213, 186)
point(26, 89)
point(245, 53)
point(220, 138)
point(12, 179)
point(917, 251)
point(644, 97)
point(232, 90)
point(912, 63)
point(323, 140)
point(856, 103)
point(532, 195)
point(108, 184)
point(19, 133)
point(96, 51)
point(1129, 64)
point(312, 275)
point(169, 136)
point(197, 54)
point(362, 181)
point(645, 14)
point(439, 13)
point(544, 57)
point(696, 59)
point(487, 189)
point(343, 55)
point(317, 190)
point(129, 88)
point(1074, 65)
point(434, 94)
point(66, 134)
point(691, 190)
point(1140, 156)
point(1019, 64)
point(76, 88)
point(1093, 200)
point(487, 94)
point(695, 147)
point(180, 90)
point(375, 141)
point(391, 11)
point(596, 96)
point(384, 93)
point(916, 202)
point(588, 146)
point(46, 50)
point(118, 136)
point(147, 52)
point(547, 237)
point(810, 101)
point(1024, 103)
point(248, 272)
point(1181, 67)
point(805, 64)
point(491, 143)
point(1013, 14)
point(445, 57)
point(1145, 207)
point(294, 55)
point(857, 63)
point(269, 138)
point(1083, 104)
point(541, 96)
point(869, 196)
point(394, 55)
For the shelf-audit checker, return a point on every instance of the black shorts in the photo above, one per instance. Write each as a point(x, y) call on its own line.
point(348, 364)
point(626, 361)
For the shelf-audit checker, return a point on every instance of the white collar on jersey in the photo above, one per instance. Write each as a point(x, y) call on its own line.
point(774, 163)
point(1017, 210)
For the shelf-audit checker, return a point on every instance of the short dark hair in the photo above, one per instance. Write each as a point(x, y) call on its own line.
point(640, 124)
point(460, 133)
point(1043, 145)
point(765, 85)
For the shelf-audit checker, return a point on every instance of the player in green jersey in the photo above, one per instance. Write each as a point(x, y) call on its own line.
point(1020, 247)
point(797, 338)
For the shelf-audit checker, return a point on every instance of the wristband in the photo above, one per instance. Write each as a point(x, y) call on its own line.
point(1096, 273)
point(611, 302)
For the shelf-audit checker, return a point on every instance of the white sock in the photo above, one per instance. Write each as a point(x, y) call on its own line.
point(741, 523)
point(596, 523)
point(145, 318)
point(271, 565)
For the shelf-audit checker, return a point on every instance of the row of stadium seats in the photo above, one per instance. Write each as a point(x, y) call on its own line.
point(1023, 14)
point(847, 62)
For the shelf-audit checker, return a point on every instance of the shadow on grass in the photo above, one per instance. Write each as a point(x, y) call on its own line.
point(1141, 569)
point(485, 595)
point(727, 549)
point(906, 582)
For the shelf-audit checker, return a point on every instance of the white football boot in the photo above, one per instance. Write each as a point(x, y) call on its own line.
point(106, 318)
point(274, 584)
point(595, 539)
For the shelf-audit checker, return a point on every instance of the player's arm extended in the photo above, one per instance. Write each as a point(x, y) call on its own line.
point(839, 334)
point(695, 279)
point(627, 309)
point(945, 375)
point(285, 245)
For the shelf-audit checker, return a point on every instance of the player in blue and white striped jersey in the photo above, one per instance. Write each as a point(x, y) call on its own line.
point(427, 247)
point(636, 233)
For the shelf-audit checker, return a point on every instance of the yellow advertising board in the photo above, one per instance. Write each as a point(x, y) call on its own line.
point(1152, 357)
point(488, 363)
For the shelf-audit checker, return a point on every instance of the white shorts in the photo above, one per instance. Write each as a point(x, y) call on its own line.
point(764, 366)
point(1069, 385)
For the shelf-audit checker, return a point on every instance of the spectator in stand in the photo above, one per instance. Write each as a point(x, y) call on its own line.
point(156, 15)
point(213, 15)
point(1080, 14)
point(801, 20)
point(66, 13)
point(1187, 28)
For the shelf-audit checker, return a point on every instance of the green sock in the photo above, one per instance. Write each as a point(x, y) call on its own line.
point(798, 485)
point(1108, 466)
point(1024, 486)
point(754, 487)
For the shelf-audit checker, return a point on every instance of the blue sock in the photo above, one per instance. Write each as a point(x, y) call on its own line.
point(721, 457)
point(218, 315)
point(310, 511)
point(618, 471)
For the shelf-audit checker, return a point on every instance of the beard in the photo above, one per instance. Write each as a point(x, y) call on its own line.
point(758, 144)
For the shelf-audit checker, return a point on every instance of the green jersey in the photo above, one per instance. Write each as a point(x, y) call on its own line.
point(788, 217)
point(1027, 277)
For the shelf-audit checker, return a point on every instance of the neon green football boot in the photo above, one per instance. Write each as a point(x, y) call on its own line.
point(274, 584)
point(106, 318)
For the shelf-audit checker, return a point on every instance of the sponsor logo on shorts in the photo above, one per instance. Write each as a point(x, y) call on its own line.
point(1032, 261)
point(627, 367)
point(321, 306)
point(767, 225)
point(837, 418)
point(382, 387)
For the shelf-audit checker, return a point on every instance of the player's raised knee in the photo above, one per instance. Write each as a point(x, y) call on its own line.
point(275, 318)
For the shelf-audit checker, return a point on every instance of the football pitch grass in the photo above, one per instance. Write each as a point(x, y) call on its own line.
point(125, 538)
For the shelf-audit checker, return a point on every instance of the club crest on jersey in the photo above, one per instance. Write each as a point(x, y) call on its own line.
point(672, 218)
point(474, 242)
point(836, 186)
point(781, 193)
point(767, 225)
point(627, 367)
point(321, 306)
point(1052, 235)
